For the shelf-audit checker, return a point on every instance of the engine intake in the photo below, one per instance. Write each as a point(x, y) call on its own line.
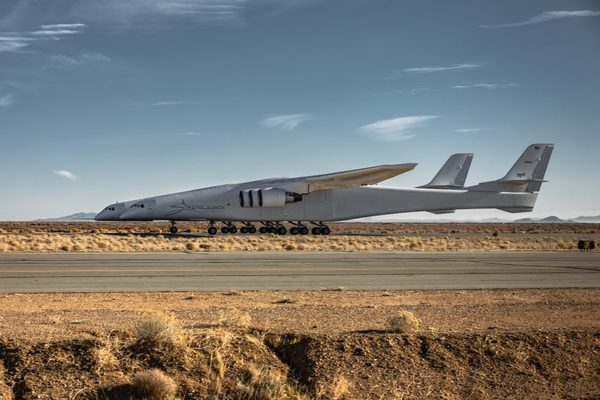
point(269, 197)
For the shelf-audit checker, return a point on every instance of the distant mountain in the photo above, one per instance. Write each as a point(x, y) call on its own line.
point(548, 220)
point(80, 216)
point(588, 219)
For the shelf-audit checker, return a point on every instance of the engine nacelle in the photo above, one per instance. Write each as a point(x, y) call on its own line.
point(269, 197)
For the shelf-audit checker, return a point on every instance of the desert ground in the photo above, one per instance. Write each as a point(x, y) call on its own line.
point(346, 237)
point(318, 344)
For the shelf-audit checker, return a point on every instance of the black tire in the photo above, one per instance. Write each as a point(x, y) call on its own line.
point(325, 230)
point(281, 230)
point(243, 229)
point(316, 230)
point(173, 230)
point(272, 229)
point(224, 229)
point(212, 230)
point(233, 229)
point(263, 229)
point(294, 231)
point(304, 230)
point(252, 229)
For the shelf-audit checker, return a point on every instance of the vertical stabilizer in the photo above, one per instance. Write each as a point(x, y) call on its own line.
point(526, 175)
point(453, 174)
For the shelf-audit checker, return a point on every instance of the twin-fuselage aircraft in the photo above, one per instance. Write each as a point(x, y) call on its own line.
point(315, 200)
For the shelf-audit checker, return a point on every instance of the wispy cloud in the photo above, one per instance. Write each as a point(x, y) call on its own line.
point(487, 86)
point(168, 103)
point(400, 91)
point(548, 16)
point(7, 100)
point(10, 42)
point(13, 41)
point(453, 67)
point(395, 129)
point(63, 173)
point(63, 61)
point(471, 130)
point(189, 134)
point(288, 122)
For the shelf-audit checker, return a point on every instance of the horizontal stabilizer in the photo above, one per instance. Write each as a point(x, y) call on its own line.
point(453, 174)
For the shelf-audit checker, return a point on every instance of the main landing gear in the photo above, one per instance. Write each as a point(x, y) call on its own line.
point(273, 227)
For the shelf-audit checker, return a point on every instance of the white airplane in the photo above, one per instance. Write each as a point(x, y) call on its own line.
point(339, 196)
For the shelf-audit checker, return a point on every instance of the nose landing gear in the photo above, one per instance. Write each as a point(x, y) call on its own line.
point(173, 228)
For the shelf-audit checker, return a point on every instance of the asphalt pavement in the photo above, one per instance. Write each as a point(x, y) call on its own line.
point(125, 272)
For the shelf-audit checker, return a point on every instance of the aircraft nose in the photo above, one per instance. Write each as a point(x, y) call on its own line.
point(131, 213)
point(100, 216)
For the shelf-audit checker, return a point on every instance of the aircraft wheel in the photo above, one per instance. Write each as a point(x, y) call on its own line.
point(272, 229)
point(304, 230)
point(316, 230)
point(232, 229)
point(224, 229)
point(263, 229)
point(294, 231)
point(243, 229)
point(173, 230)
point(252, 229)
point(281, 230)
point(212, 230)
point(325, 230)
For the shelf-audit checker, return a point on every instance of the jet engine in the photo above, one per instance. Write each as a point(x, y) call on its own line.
point(269, 197)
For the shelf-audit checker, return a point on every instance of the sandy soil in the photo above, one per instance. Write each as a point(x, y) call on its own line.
point(128, 237)
point(306, 344)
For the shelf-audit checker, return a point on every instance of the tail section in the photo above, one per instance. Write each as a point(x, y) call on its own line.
point(453, 174)
point(526, 175)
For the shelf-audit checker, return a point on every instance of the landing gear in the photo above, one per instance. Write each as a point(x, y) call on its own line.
point(298, 229)
point(173, 228)
point(320, 229)
point(294, 231)
point(228, 228)
point(281, 230)
point(211, 228)
point(248, 228)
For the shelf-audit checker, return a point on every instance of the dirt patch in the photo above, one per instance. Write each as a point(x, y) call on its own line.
point(470, 344)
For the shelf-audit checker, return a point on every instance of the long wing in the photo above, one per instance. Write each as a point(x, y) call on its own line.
point(356, 177)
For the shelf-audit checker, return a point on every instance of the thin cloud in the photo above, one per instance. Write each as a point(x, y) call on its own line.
point(63, 61)
point(10, 43)
point(400, 91)
point(487, 86)
point(63, 173)
point(7, 100)
point(287, 122)
point(471, 130)
point(189, 134)
point(395, 129)
point(548, 16)
point(13, 41)
point(453, 67)
point(168, 103)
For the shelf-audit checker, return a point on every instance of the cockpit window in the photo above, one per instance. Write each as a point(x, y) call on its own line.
point(139, 205)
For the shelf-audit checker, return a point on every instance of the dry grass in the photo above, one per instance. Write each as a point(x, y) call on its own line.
point(263, 383)
point(235, 319)
point(105, 355)
point(337, 389)
point(5, 391)
point(404, 322)
point(56, 242)
point(154, 385)
point(161, 329)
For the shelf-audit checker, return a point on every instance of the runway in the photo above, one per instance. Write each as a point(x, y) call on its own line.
point(126, 272)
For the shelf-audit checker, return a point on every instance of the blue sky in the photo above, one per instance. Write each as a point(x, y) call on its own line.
point(114, 100)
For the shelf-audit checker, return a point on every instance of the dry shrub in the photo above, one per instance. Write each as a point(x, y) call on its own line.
point(154, 385)
point(263, 383)
point(161, 330)
point(336, 390)
point(235, 319)
point(404, 322)
point(105, 357)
